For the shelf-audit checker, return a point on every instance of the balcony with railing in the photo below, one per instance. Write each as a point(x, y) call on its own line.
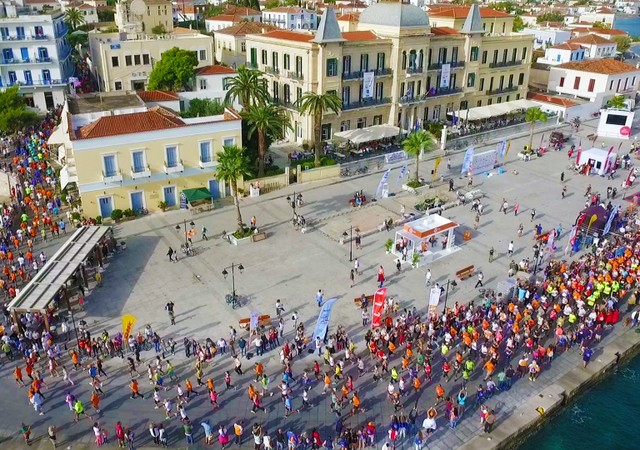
point(140, 172)
point(416, 70)
point(112, 177)
point(36, 83)
point(366, 103)
point(503, 90)
point(355, 75)
point(271, 70)
point(513, 63)
point(23, 37)
point(443, 91)
point(359, 74)
point(207, 162)
point(25, 61)
point(452, 65)
point(251, 65)
point(295, 76)
point(409, 99)
point(174, 168)
point(285, 104)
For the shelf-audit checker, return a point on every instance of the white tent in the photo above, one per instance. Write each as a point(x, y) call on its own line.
point(372, 133)
point(497, 109)
point(597, 158)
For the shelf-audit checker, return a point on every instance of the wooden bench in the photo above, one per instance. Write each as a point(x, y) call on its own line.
point(258, 237)
point(263, 321)
point(358, 302)
point(465, 273)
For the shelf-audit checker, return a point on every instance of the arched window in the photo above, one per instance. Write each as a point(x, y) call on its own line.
point(413, 59)
point(404, 60)
point(471, 80)
point(421, 58)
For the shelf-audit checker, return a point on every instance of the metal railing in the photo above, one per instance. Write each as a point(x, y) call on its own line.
point(22, 37)
point(37, 83)
point(503, 90)
point(516, 62)
point(412, 70)
point(365, 103)
point(295, 75)
point(271, 70)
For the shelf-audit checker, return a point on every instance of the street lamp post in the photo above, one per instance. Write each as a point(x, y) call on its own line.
point(350, 235)
point(186, 241)
point(73, 319)
point(233, 299)
point(292, 202)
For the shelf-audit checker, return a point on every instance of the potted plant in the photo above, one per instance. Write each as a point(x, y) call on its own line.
point(116, 214)
point(127, 213)
point(163, 205)
point(415, 259)
point(388, 245)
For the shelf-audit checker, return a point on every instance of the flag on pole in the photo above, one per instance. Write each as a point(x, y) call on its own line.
point(507, 150)
point(454, 119)
point(628, 182)
point(383, 180)
point(468, 159)
point(592, 220)
point(614, 213)
point(606, 161)
point(435, 167)
point(402, 174)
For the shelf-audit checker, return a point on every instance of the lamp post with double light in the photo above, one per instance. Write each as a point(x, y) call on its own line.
point(233, 298)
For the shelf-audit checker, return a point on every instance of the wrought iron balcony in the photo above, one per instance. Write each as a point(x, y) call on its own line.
point(497, 65)
point(366, 103)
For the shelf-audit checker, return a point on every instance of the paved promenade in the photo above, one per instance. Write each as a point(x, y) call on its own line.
point(292, 266)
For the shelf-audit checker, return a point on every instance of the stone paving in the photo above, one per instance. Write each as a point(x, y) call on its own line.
point(292, 266)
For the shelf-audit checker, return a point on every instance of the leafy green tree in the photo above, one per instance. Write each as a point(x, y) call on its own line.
point(159, 29)
point(602, 25)
point(174, 71)
point(203, 107)
point(14, 115)
point(551, 16)
point(533, 115)
point(617, 102)
point(106, 15)
point(623, 43)
point(266, 120)
point(518, 24)
point(270, 4)
point(248, 87)
point(74, 18)
point(77, 38)
point(316, 105)
point(233, 165)
point(416, 142)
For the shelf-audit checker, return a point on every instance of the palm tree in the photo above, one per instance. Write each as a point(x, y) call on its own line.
point(617, 102)
point(267, 120)
point(532, 116)
point(416, 142)
point(74, 18)
point(316, 105)
point(247, 87)
point(233, 165)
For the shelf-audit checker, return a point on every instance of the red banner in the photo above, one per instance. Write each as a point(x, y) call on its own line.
point(378, 307)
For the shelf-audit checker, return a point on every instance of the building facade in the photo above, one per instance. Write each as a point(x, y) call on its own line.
point(230, 43)
point(395, 67)
point(594, 80)
point(136, 156)
point(291, 18)
point(35, 55)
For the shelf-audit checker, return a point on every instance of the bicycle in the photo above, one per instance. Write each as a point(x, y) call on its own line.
point(345, 172)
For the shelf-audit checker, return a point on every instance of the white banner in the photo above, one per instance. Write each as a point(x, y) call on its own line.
point(368, 85)
point(383, 180)
point(434, 296)
point(445, 75)
point(253, 323)
point(483, 162)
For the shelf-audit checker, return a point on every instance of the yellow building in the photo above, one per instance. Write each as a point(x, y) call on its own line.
point(128, 154)
point(390, 65)
point(122, 61)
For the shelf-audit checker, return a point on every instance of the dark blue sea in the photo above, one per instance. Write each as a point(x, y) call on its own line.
point(629, 24)
point(604, 417)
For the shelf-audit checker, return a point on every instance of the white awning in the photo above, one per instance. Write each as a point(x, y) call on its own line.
point(497, 109)
point(372, 133)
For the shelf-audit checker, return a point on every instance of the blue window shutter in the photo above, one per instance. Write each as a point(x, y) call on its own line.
point(172, 157)
point(138, 162)
point(109, 165)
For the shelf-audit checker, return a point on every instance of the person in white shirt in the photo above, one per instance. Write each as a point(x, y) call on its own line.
point(428, 278)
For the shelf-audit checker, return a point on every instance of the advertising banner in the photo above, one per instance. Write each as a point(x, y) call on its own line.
point(378, 307)
point(128, 321)
point(322, 326)
point(445, 75)
point(368, 85)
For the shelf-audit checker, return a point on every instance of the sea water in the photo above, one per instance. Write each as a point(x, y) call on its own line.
point(629, 24)
point(604, 417)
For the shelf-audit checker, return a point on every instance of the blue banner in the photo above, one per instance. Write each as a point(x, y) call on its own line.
point(323, 319)
point(383, 180)
point(402, 174)
point(612, 216)
point(468, 159)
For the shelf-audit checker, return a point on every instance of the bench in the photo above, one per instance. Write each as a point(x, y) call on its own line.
point(263, 321)
point(258, 237)
point(465, 273)
point(358, 303)
point(202, 208)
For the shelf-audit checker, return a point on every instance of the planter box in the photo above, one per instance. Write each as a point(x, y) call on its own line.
point(415, 191)
point(236, 241)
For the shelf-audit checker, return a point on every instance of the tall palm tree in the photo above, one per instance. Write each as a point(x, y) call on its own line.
point(617, 102)
point(267, 120)
point(74, 18)
point(316, 105)
point(248, 87)
point(233, 165)
point(533, 115)
point(416, 142)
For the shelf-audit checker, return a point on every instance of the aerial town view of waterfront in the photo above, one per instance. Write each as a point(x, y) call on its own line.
point(391, 225)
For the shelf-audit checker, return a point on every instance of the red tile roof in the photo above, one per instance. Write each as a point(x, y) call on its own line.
point(214, 70)
point(444, 31)
point(551, 99)
point(350, 17)
point(567, 46)
point(241, 10)
point(288, 10)
point(154, 119)
point(244, 28)
point(611, 32)
point(591, 39)
point(289, 35)
point(461, 12)
point(605, 11)
point(606, 66)
point(360, 36)
point(157, 96)
point(227, 18)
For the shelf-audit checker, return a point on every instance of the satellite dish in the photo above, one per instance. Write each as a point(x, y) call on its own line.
point(138, 7)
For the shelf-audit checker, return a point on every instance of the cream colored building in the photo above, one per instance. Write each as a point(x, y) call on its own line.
point(123, 61)
point(415, 72)
point(127, 154)
point(230, 43)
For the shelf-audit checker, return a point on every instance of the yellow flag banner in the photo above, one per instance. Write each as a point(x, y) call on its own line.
point(435, 168)
point(128, 321)
point(591, 221)
point(507, 150)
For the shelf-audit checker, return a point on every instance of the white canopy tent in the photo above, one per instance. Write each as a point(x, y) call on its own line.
point(598, 160)
point(368, 134)
point(498, 109)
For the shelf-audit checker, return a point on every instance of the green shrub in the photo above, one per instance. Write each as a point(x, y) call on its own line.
point(414, 184)
point(326, 161)
point(128, 212)
point(75, 216)
point(116, 214)
point(163, 206)
point(99, 220)
point(242, 233)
